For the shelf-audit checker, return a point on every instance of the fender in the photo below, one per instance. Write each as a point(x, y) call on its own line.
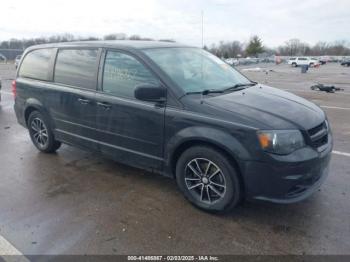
point(217, 137)
point(35, 103)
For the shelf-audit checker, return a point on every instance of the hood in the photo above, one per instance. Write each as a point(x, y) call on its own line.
point(269, 108)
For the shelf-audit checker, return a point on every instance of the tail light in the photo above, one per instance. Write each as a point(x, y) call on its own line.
point(14, 89)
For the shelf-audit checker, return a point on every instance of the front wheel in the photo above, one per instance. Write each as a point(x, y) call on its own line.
point(41, 133)
point(208, 179)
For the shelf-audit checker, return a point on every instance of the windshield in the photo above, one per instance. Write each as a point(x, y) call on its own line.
point(196, 70)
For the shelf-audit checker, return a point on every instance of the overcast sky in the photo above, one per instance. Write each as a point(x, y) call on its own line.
point(275, 21)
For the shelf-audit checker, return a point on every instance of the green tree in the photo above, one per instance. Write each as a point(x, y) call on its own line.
point(255, 46)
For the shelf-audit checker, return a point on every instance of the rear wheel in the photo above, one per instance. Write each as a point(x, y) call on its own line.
point(294, 64)
point(41, 133)
point(208, 179)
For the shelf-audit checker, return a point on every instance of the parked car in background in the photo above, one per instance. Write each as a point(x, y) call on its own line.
point(248, 61)
point(315, 62)
point(299, 61)
point(17, 60)
point(323, 60)
point(345, 62)
point(179, 111)
point(270, 59)
point(232, 61)
point(335, 59)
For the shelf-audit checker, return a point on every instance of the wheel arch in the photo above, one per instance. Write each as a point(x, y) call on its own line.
point(201, 142)
point(28, 111)
point(218, 139)
point(197, 142)
point(32, 105)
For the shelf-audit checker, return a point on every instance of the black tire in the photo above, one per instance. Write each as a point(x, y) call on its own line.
point(39, 127)
point(228, 176)
point(294, 65)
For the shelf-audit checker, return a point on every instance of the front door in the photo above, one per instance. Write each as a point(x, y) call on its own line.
point(130, 130)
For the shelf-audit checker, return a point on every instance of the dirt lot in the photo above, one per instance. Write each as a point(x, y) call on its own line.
point(76, 202)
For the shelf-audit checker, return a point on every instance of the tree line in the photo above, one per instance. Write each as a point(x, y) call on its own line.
point(253, 48)
point(292, 47)
point(24, 43)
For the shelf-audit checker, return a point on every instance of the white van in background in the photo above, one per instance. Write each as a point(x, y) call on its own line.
point(299, 61)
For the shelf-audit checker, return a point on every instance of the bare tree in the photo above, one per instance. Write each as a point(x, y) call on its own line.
point(293, 47)
point(167, 40)
point(226, 49)
point(117, 36)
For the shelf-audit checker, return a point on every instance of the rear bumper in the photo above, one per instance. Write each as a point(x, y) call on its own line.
point(287, 179)
point(18, 108)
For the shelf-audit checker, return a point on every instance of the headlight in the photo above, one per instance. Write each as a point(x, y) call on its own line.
point(281, 142)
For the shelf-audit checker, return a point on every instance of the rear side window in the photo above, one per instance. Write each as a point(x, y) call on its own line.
point(36, 64)
point(76, 67)
point(123, 73)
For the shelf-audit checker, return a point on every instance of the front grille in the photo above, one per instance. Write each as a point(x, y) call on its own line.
point(316, 129)
point(319, 135)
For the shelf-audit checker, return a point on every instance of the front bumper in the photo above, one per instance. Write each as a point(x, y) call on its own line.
point(287, 179)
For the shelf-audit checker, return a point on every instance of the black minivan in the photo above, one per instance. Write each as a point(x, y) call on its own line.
point(178, 111)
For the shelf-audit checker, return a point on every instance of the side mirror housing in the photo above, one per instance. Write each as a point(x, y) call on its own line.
point(151, 93)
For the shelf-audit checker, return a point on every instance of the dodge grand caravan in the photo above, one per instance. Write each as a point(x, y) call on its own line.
point(178, 111)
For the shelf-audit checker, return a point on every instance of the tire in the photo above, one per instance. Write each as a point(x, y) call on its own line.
point(41, 133)
point(208, 196)
point(294, 65)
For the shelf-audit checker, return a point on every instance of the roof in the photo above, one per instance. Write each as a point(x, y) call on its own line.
point(126, 44)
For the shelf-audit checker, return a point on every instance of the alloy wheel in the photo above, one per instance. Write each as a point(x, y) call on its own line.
point(39, 132)
point(205, 180)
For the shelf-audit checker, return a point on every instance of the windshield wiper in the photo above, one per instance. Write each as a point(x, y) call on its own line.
point(219, 91)
point(205, 92)
point(239, 86)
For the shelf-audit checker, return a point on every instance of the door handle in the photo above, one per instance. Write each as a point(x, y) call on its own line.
point(105, 106)
point(83, 101)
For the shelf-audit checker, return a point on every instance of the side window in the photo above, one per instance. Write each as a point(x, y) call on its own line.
point(36, 64)
point(122, 73)
point(76, 67)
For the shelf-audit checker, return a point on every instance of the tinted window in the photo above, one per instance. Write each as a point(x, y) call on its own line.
point(76, 67)
point(122, 73)
point(302, 58)
point(36, 64)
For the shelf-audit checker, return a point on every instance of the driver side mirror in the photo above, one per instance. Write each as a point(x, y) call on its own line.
point(151, 93)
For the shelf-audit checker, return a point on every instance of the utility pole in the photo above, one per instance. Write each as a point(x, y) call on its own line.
point(202, 29)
